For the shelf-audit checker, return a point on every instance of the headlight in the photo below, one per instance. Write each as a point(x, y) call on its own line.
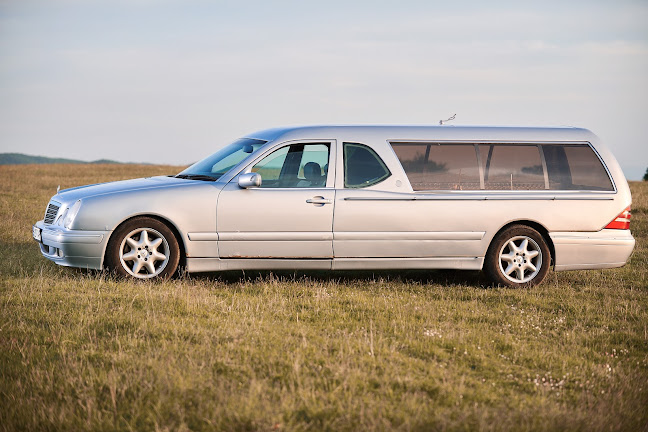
point(68, 215)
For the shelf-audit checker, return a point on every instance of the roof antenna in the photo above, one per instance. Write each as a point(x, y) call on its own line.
point(441, 122)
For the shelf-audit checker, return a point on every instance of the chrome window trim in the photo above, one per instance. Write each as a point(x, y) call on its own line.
point(544, 166)
point(483, 198)
point(482, 184)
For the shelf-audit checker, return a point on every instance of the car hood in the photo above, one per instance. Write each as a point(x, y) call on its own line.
point(81, 192)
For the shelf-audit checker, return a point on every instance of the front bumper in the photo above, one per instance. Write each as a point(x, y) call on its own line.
point(72, 248)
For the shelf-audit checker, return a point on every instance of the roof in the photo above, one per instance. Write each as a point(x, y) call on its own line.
point(441, 133)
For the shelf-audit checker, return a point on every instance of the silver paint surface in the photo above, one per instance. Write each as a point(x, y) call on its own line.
point(222, 226)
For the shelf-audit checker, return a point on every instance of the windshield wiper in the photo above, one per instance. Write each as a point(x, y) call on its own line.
point(196, 177)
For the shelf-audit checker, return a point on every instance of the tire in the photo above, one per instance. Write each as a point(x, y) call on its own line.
point(517, 257)
point(143, 248)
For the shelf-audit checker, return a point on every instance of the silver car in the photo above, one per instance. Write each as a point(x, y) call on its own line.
point(511, 201)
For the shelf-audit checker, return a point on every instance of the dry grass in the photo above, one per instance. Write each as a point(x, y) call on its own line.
point(314, 351)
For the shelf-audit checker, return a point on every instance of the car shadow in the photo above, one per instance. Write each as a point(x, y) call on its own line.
point(423, 277)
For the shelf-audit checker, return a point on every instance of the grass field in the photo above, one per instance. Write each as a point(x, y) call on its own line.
point(310, 351)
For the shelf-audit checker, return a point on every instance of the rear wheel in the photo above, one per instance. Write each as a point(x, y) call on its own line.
point(517, 257)
point(143, 248)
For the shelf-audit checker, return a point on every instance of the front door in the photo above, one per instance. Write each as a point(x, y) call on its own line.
point(290, 215)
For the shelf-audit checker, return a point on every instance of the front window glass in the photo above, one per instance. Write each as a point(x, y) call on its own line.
point(270, 166)
point(362, 166)
point(214, 166)
point(295, 166)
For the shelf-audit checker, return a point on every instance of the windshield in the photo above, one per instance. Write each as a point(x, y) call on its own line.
point(214, 166)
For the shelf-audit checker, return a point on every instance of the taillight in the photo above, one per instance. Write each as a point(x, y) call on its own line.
point(622, 221)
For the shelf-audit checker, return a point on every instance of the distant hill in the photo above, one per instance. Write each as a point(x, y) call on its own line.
point(20, 159)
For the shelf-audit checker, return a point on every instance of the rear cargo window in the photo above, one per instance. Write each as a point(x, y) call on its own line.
point(575, 167)
point(436, 166)
point(439, 166)
point(512, 167)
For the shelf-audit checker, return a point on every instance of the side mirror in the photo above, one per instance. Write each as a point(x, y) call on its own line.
point(249, 180)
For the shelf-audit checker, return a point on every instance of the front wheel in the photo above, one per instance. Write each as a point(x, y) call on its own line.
point(143, 248)
point(518, 256)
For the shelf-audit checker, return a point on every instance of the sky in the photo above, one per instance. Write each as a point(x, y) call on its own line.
point(171, 81)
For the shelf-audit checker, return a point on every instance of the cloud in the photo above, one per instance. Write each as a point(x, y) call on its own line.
point(94, 79)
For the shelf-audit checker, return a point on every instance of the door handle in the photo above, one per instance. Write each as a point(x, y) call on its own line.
point(319, 200)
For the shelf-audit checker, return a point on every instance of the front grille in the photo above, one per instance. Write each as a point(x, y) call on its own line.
point(50, 214)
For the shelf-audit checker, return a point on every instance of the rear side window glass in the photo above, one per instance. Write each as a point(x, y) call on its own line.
point(439, 166)
point(512, 167)
point(575, 167)
point(362, 166)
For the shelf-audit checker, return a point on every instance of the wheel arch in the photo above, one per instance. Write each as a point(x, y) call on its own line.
point(544, 232)
point(165, 221)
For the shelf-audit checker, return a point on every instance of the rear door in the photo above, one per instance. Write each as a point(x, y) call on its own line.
point(378, 216)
